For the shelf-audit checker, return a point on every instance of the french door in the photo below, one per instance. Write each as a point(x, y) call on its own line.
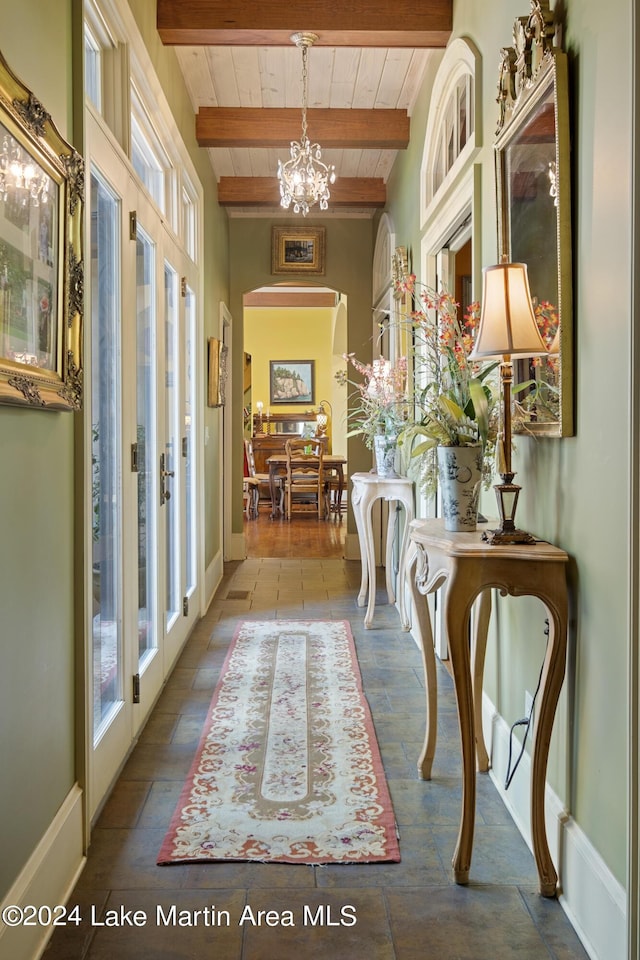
point(142, 477)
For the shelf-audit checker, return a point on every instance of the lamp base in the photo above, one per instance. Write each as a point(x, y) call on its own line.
point(500, 536)
point(507, 494)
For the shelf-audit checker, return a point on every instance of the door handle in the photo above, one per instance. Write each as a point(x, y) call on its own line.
point(164, 493)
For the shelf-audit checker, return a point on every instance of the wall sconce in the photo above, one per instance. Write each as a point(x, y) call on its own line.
point(507, 328)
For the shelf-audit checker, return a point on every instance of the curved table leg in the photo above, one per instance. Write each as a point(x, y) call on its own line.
point(391, 527)
point(456, 612)
point(552, 679)
point(481, 616)
point(367, 508)
point(356, 503)
point(415, 564)
point(274, 496)
point(404, 546)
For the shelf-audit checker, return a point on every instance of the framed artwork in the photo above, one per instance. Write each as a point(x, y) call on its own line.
point(291, 382)
point(217, 380)
point(41, 270)
point(298, 250)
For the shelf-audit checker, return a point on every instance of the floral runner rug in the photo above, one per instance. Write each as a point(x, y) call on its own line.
point(288, 768)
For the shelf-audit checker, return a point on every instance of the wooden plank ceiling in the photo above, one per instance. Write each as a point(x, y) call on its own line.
point(243, 75)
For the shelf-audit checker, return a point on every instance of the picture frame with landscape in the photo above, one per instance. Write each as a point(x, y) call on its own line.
point(291, 382)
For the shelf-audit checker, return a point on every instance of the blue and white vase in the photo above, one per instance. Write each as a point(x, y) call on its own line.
point(385, 447)
point(459, 479)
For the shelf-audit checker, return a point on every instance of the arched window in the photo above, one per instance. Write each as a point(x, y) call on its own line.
point(452, 134)
point(382, 255)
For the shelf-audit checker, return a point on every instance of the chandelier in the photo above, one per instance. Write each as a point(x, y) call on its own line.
point(304, 179)
point(20, 178)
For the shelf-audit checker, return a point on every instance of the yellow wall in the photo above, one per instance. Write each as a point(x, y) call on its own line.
point(289, 333)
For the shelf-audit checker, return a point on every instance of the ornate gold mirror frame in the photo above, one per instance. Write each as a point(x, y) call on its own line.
point(534, 211)
point(41, 272)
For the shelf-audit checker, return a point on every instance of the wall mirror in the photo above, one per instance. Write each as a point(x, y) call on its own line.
point(534, 212)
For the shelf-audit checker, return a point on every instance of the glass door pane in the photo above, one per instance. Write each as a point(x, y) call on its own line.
point(188, 451)
point(105, 453)
point(146, 444)
point(170, 466)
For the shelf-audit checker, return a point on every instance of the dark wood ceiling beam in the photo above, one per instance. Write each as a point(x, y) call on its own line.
point(361, 23)
point(265, 192)
point(278, 126)
point(282, 298)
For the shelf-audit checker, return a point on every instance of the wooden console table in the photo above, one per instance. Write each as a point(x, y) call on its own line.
point(367, 488)
point(469, 567)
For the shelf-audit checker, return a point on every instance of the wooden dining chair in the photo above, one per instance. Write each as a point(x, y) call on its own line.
point(304, 483)
point(259, 482)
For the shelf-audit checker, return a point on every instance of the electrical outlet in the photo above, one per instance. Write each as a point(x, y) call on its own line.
point(528, 703)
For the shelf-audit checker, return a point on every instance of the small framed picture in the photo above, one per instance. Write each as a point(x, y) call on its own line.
point(217, 373)
point(298, 250)
point(291, 382)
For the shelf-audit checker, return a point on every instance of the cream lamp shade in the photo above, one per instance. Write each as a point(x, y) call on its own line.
point(507, 323)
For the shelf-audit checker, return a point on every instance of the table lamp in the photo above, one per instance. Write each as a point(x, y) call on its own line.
point(507, 328)
point(322, 419)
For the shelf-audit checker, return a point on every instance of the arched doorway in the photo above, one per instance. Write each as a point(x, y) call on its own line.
point(293, 324)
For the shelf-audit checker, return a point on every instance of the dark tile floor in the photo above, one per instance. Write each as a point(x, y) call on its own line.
point(408, 911)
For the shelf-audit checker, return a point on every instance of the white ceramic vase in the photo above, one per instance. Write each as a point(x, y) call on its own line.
point(459, 479)
point(385, 447)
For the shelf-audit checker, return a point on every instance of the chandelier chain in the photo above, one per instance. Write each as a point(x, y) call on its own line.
point(304, 179)
point(305, 81)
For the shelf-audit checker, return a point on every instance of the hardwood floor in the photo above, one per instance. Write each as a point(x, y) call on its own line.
point(303, 536)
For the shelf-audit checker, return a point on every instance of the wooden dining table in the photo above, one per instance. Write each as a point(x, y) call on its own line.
point(277, 464)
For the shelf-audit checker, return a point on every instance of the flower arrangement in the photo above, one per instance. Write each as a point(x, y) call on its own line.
point(446, 401)
point(381, 395)
point(538, 398)
point(454, 404)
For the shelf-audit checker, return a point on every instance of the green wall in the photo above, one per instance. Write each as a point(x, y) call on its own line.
point(575, 490)
point(36, 520)
point(349, 252)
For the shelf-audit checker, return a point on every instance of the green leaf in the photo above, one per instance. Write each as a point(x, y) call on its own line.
point(451, 408)
point(480, 408)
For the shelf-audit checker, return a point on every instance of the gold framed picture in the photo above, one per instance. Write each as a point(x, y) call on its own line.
point(298, 250)
point(41, 270)
point(217, 381)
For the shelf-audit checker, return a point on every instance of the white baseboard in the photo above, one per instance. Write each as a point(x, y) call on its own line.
point(592, 898)
point(212, 577)
point(47, 879)
point(352, 547)
point(235, 548)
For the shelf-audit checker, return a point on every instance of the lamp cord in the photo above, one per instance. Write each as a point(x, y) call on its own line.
point(526, 723)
